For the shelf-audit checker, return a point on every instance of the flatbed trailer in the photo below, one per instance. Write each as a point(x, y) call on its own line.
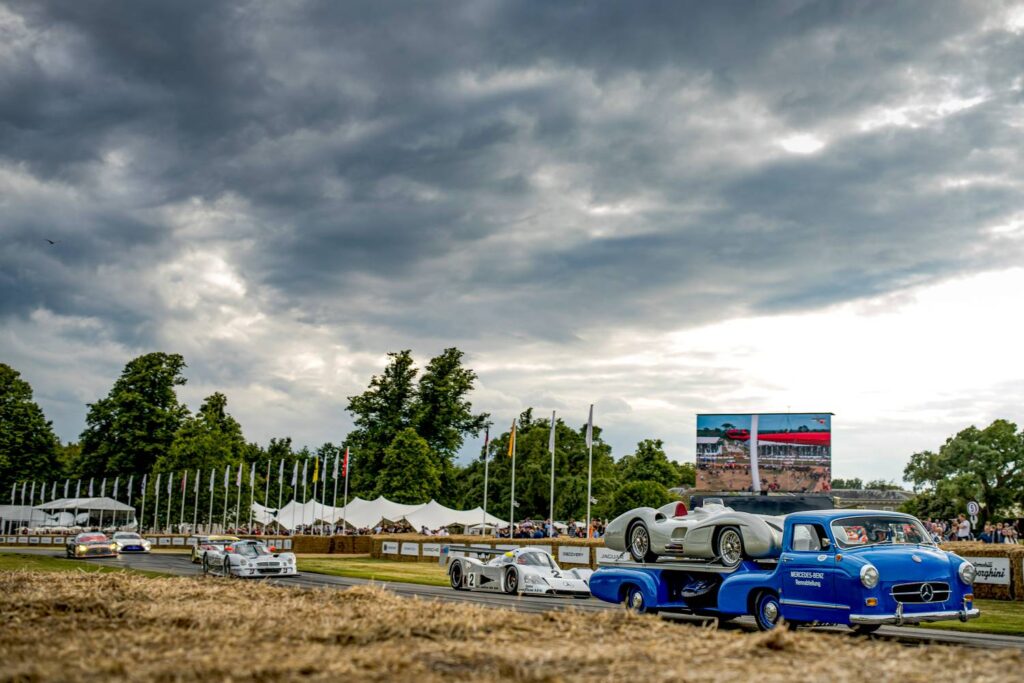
point(814, 579)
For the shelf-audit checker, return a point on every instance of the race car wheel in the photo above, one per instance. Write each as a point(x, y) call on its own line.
point(639, 539)
point(865, 629)
point(455, 576)
point(227, 568)
point(206, 564)
point(511, 581)
point(729, 546)
point(767, 611)
point(635, 600)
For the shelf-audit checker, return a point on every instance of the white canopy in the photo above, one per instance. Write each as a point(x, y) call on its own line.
point(106, 504)
point(361, 513)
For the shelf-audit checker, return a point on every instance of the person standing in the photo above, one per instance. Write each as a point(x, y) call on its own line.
point(963, 528)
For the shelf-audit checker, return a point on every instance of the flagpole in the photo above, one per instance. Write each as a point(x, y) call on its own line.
point(316, 477)
point(195, 502)
point(156, 511)
point(344, 509)
point(238, 501)
point(304, 490)
point(170, 478)
point(142, 510)
point(551, 447)
point(590, 461)
point(184, 490)
point(209, 521)
point(487, 440)
point(334, 501)
point(252, 491)
point(266, 494)
point(280, 485)
point(512, 501)
point(224, 517)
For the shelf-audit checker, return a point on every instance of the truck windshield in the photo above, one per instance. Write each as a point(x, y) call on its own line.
point(863, 530)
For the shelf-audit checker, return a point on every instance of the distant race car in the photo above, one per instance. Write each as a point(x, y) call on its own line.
point(204, 543)
point(712, 532)
point(524, 570)
point(91, 544)
point(130, 542)
point(248, 559)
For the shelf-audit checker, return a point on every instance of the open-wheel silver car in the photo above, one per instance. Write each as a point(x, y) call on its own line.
point(523, 570)
point(711, 533)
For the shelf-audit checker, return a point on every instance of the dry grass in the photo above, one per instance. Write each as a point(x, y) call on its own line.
point(104, 627)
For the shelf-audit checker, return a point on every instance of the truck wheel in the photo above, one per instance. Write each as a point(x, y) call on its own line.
point(767, 611)
point(639, 542)
point(635, 600)
point(511, 581)
point(729, 546)
point(455, 576)
point(865, 629)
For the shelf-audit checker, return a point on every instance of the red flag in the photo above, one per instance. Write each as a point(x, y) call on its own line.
point(344, 465)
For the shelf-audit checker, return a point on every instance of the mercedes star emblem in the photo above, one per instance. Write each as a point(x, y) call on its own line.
point(927, 592)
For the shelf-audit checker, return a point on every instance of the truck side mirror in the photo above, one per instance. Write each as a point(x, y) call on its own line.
point(825, 544)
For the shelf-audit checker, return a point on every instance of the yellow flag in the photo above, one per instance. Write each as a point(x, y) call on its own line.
point(316, 469)
point(512, 440)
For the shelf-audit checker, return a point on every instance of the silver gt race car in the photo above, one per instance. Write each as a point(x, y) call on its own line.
point(713, 533)
point(248, 559)
point(521, 571)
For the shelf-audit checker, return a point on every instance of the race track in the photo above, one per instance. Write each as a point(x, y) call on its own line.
point(178, 564)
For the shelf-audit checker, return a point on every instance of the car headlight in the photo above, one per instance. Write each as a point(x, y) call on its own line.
point(869, 576)
point(532, 580)
point(967, 573)
point(245, 562)
point(81, 548)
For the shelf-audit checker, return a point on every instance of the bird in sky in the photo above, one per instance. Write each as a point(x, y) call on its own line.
point(50, 241)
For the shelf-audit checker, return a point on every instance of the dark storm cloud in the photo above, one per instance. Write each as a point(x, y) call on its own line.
point(416, 170)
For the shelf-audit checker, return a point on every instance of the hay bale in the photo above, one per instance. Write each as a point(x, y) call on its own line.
point(1015, 554)
point(122, 627)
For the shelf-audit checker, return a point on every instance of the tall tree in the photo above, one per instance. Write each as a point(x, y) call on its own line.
point(136, 423)
point(649, 463)
point(986, 465)
point(28, 447)
point(410, 473)
point(381, 412)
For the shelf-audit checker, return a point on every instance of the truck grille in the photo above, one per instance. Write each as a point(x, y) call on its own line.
point(931, 591)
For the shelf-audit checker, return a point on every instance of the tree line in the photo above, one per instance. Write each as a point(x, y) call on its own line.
point(409, 427)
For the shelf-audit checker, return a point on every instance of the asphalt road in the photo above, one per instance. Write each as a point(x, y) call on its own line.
point(179, 565)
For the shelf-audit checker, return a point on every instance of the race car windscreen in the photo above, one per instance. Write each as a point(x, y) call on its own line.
point(251, 550)
point(127, 536)
point(853, 532)
point(536, 560)
point(92, 538)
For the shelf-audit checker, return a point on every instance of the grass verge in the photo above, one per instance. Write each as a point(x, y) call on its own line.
point(423, 573)
point(1004, 617)
point(44, 563)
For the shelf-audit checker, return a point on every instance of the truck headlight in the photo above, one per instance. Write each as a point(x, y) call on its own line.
point(967, 573)
point(869, 576)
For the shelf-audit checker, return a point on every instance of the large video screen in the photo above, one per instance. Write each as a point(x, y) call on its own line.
point(765, 452)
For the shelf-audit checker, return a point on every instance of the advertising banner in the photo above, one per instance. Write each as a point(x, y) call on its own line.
point(992, 570)
point(573, 554)
point(764, 452)
point(411, 549)
point(431, 550)
point(389, 547)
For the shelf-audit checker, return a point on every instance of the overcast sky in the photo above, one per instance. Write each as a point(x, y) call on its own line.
point(660, 208)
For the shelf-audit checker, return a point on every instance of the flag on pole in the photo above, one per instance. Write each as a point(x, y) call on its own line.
point(512, 440)
point(90, 487)
point(590, 427)
point(32, 494)
point(551, 436)
point(227, 473)
point(184, 480)
point(131, 478)
point(78, 488)
point(14, 492)
point(103, 487)
point(156, 486)
point(344, 465)
point(295, 473)
point(280, 470)
point(238, 479)
point(305, 462)
point(117, 482)
point(195, 489)
point(336, 459)
point(170, 476)
point(213, 471)
point(67, 482)
point(316, 469)
point(252, 475)
point(53, 491)
point(22, 493)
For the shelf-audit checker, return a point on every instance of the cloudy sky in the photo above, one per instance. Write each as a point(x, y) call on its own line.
point(664, 210)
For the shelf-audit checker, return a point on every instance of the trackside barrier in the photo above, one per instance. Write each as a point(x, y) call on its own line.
point(572, 552)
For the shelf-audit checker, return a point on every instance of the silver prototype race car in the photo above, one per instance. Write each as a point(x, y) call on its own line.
point(712, 533)
point(248, 559)
point(524, 570)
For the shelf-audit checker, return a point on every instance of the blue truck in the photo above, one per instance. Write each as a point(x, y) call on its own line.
point(858, 568)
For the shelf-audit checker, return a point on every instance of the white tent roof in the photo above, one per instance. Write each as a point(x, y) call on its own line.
point(24, 514)
point(368, 513)
point(108, 504)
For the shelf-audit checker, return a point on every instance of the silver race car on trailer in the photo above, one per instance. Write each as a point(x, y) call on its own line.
point(525, 570)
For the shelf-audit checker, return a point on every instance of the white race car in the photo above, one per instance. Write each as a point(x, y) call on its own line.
point(131, 542)
point(524, 570)
point(248, 559)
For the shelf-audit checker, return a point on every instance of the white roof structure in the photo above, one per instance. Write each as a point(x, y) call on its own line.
point(24, 514)
point(361, 513)
point(106, 504)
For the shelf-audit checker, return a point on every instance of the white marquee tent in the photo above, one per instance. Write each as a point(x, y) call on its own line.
point(361, 513)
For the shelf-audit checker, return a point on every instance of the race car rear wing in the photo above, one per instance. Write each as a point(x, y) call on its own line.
point(446, 552)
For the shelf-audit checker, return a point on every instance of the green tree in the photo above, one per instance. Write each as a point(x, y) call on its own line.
point(635, 494)
point(410, 473)
point(28, 447)
point(856, 484)
point(649, 463)
point(381, 412)
point(882, 485)
point(137, 421)
point(986, 465)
